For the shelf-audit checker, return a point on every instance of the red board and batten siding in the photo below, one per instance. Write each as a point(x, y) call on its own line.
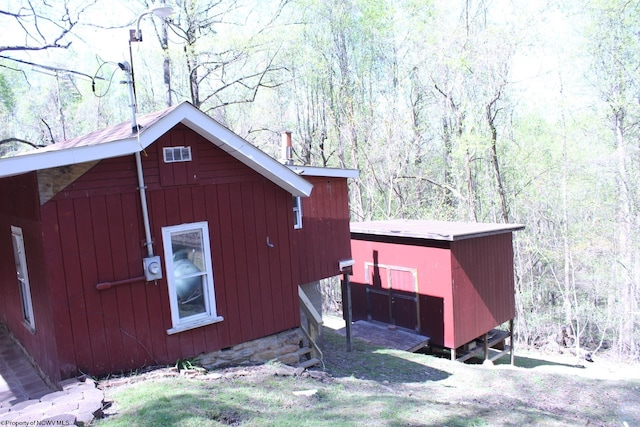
point(483, 285)
point(433, 265)
point(323, 240)
point(20, 208)
point(93, 230)
point(465, 286)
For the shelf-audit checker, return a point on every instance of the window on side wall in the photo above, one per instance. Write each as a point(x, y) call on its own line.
point(189, 276)
point(23, 278)
point(297, 212)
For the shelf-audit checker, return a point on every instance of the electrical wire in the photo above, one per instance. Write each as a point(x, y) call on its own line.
point(109, 80)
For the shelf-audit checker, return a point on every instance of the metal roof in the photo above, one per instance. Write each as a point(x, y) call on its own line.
point(121, 140)
point(433, 230)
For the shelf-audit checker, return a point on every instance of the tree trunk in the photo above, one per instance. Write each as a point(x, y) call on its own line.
point(626, 343)
point(491, 112)
point(166, 63)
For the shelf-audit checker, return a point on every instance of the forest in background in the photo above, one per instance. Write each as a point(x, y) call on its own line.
point(469, 110)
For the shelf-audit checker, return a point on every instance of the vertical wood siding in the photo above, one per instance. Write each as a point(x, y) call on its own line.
point(433, 265)
point(93, 233)
point(466, 287)
point(19, 207)
point(483, 281)
point(323, 240)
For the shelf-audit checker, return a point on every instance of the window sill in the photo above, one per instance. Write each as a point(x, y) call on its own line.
point(195, 324)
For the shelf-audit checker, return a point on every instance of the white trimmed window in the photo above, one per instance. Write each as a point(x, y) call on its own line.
point(187, 254)
point(23, 278)
point(177, 154)
point(297, 212)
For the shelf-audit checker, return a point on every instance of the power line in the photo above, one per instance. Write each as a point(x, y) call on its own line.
point(50, 68)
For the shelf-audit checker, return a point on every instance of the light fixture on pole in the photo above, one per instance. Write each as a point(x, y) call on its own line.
point(151, 264)
point(136, 36)
point(160, 12)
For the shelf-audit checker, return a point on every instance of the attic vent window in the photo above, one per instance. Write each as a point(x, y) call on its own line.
point(177, 154)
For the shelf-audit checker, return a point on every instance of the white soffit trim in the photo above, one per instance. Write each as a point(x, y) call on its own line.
point(328, 172)
point(185, 113)
point(243, 151)
point(38, 160)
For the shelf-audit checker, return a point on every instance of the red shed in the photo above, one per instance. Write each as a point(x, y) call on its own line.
point(142, 247)
point(450, 281)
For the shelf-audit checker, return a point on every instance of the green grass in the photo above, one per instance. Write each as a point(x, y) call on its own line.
point(180, 402)
point(374, 387)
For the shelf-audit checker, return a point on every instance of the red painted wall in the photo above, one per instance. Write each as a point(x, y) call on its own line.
point(433, 265)
point(125, 327)
point(323, 240)
point(19, 207)
point(466, 287)
point(92, 232)
point(483, 281)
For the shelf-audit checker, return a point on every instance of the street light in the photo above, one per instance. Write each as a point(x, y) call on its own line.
point(160, 12)
point(136, 36)
point(151, 264)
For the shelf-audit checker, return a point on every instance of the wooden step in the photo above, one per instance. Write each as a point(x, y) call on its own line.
point(304, 351)
point(309, 363)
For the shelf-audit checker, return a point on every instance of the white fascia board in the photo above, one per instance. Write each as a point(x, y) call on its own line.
point(328, 172)
point(185, 113)
point(251, 156)
point(38, 160)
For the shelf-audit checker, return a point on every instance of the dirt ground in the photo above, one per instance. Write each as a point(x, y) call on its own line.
point(547, 389)
point(394, 388)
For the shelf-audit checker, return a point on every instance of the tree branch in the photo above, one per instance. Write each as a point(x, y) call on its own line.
point(22, 141)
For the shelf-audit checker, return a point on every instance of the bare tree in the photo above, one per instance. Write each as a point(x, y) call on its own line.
point(42, 25)
point(217, 77)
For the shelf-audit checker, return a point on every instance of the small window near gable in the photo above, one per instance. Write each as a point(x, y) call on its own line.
point(297, 212)
point(23, 278)
point(189, 276)
point(177, 154)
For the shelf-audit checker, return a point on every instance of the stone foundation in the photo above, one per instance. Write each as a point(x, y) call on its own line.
point(282, 347)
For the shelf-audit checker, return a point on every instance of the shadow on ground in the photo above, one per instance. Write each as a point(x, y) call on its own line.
point(369, 362)
point(520, 361)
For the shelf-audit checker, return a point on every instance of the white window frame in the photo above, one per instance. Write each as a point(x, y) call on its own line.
point(297, 212)
point(184, 154)
point(209, 316)
point(17, 239)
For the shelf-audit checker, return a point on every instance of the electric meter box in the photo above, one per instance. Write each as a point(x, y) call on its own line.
point(152, 268)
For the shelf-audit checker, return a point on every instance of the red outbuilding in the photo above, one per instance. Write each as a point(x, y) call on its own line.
point(452, 282)
point(141, 247)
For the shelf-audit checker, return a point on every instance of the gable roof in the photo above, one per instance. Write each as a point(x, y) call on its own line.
point(121, 140)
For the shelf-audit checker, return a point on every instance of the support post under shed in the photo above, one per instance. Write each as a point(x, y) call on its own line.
point(346, 267)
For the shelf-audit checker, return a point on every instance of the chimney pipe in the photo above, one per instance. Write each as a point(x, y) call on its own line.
point(287, 149)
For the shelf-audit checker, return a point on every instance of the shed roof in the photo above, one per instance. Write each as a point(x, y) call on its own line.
point(325, 172)
point(121, 140)
point(432, 230)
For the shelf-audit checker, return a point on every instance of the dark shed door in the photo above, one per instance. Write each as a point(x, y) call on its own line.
point(392, 295)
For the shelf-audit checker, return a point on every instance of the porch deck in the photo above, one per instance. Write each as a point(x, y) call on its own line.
point(379, 334)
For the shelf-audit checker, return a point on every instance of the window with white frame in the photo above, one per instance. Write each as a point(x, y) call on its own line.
point(297, 212)
point(177, 154)
point(23, 278)
point(189, 276)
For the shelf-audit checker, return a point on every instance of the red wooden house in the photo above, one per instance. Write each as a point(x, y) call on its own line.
point(452, 282)
point(136, 248)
